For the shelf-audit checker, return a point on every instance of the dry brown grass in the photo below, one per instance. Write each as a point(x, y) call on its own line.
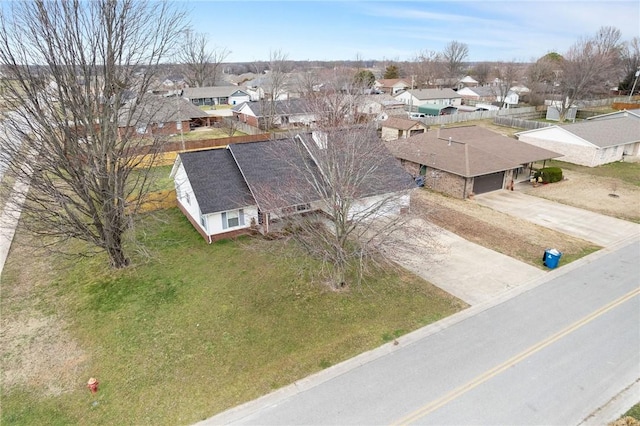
point(592, 193)
point(498, 231)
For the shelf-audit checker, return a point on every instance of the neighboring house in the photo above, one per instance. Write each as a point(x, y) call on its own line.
point(216, 95)
point(156, 115)
point(391, 86)
point(617, 114)
point(380, 107)
point(489, 94)
point(468, 81)
point(251, 186)
point(590, 143)
point(418, 97)
point(289, 113)
point(460, 161)
point(401, 128)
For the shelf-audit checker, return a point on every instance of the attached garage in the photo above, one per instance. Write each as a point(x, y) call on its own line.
point(488, 183)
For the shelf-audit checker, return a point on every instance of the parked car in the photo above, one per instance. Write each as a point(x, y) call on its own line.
point(417, 115)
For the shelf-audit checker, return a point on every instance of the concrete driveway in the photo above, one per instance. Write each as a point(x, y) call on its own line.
point(464, 269)
point(594, 227)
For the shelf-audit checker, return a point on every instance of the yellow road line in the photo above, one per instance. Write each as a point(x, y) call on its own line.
point(438, 403)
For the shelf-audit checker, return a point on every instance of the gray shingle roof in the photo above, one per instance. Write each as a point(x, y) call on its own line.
point(284, 107)
point(272, 172)
point(159, 109)
point(212, 92)
point(385, 174)
point(274, 175)
point(429, 94)
point(605, 133)
point(216, 180)
point(401, 123)
point(474, 151)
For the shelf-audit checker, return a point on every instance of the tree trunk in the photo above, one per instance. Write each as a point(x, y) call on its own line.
point(117, 258)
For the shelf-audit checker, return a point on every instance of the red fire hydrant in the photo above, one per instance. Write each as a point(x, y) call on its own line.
point(92, 384)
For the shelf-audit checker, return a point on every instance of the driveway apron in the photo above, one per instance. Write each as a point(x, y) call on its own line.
point(594, 227)
point(464, 269)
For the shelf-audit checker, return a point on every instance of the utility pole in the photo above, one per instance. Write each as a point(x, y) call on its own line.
point(634, 84)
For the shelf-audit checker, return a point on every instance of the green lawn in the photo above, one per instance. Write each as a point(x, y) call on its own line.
point(196, 328)
point(627, 172)
point(634, 412)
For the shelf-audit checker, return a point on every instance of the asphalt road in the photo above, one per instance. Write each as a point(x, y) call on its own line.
point(550, 355)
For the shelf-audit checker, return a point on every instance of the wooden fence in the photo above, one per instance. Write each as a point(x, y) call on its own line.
point(478, 115)
point(171, 149)
point(520, 123)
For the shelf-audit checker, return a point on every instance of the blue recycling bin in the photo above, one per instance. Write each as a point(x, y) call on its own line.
point(551, 258)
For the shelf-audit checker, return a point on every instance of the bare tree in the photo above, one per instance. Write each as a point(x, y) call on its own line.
point(276, 85)
point(231, 125)
point(630, 56)
point(481, 73)
point(588, 68)
point(202, 65)
point(308, 83)
point(454, 55)
point(351, 177)
point(542, 76)
point(507, 74)
point(426, 68)
point(80, 74)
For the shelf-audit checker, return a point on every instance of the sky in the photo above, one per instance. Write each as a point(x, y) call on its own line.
point(504, 30)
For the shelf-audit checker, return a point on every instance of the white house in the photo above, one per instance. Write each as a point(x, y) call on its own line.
point(216, 95)
point(417, 97)
point(250, 187)
point(391, 86)
point(590, 143)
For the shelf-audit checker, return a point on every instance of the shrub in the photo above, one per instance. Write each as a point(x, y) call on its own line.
point(549, 174)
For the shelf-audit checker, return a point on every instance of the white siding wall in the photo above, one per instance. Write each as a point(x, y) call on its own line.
point(214, 221)
point(388, 204)
point(184, 193)
point(237, 100)
point(573, 150)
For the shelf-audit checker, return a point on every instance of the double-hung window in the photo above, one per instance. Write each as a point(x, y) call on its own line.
point(232, 219)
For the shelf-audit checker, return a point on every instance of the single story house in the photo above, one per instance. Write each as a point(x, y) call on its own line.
point(287, 113)
point(391, 86)
point(216, 95)
point(401, 128)
point(617, 114)
point(488, 94)
point(380, 107)
point(463, 160)
point(252, 186)
point(468, 81)
point(418, 97)
point(590, 143)
point(160, 115)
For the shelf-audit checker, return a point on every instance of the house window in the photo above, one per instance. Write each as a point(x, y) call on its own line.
point(203, 221)
point(232, 219)
point(186, 197)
